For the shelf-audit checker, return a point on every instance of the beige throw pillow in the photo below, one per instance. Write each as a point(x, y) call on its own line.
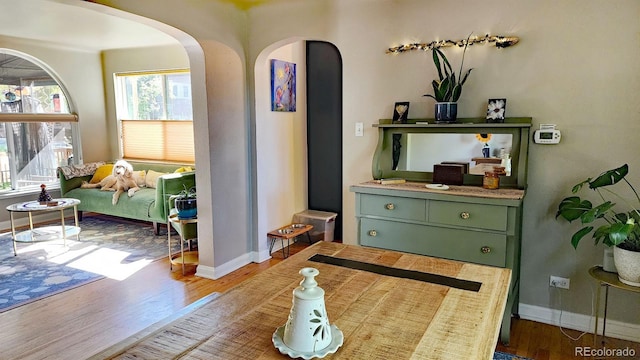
point(152, 178)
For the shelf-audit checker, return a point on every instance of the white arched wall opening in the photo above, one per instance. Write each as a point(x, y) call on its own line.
point(221, 142)
point(280, 146)
point(280, 166)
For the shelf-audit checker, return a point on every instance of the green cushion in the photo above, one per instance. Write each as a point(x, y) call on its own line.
point(137, 207)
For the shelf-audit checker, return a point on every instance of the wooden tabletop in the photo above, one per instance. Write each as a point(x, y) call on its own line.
point(381, 316)
point(460, 190)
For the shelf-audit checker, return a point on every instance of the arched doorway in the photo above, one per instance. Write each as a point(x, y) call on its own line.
point(281, 169)
point(324, 129)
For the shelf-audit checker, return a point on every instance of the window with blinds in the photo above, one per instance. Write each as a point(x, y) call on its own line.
point(155, 116)
point(37, 128)
point(166, 140)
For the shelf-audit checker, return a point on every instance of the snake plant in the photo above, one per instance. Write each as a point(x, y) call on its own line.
point(448, 87)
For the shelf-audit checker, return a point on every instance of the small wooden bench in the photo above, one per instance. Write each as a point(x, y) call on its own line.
point(288, 232)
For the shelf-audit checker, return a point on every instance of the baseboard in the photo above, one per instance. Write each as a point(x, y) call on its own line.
point(580, 322)
point(206, 272)
point(224, 269)
point(260, 256)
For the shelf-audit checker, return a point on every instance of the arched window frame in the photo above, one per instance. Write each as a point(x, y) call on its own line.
point(24, 167)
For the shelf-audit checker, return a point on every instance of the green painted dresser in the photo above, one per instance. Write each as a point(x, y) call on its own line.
point(466, 222)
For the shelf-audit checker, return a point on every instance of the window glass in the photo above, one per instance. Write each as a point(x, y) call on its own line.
point(155, 116)
point(32, 146)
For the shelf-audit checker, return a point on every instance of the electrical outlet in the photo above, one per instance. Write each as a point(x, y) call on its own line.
point(359, 129)
point(559, 282)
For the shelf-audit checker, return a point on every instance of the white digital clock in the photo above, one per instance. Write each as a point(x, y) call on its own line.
point(547, 136)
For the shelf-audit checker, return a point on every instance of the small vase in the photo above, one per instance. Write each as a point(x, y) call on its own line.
point(486, 150)
point(446, 112)
point(307, 329)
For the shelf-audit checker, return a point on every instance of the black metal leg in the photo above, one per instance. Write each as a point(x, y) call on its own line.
point(282, 244)
point(604, 319)
point(272, 242)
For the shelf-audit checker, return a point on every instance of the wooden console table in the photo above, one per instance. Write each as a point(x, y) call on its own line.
point(381, 316)
point(288, 232)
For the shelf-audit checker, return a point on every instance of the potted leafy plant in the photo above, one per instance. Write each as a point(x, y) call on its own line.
point(448, 88)
point(186, 203)
point(620, 229)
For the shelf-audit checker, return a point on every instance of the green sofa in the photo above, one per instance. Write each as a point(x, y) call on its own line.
point(147, 204)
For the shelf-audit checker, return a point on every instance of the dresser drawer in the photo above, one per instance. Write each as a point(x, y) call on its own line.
point(393, 207)
point(471, 246)
point(492, 217)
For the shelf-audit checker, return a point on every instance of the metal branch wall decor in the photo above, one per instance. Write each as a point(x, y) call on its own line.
point(497, 40)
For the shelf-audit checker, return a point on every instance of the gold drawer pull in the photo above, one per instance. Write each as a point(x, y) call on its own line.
point(465, 215)
point(389, 206)
point(485, 249)
point(373, 233)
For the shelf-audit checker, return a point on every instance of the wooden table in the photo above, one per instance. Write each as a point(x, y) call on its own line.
point(382, 317)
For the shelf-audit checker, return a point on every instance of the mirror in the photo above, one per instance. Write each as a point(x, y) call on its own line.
point(420, 151)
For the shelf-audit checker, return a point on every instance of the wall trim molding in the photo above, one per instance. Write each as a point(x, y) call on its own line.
point(217, 272)
point(580, 322)
point(206, 272)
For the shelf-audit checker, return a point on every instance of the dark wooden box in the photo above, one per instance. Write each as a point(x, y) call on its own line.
point(449, 174)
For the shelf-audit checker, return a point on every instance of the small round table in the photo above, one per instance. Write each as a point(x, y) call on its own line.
point(189, 257)
point(46, 233)
point(606, 279)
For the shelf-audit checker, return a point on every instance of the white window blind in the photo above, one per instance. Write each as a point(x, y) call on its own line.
point(166, 140)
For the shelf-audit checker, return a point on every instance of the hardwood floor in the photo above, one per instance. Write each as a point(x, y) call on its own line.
point(83, 321)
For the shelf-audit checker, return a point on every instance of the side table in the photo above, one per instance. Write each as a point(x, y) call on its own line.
point(46, 233)
point(288, 232)
point(189, 257)
point(606, 279)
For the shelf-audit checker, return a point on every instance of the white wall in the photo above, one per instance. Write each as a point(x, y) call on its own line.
point(281, 148)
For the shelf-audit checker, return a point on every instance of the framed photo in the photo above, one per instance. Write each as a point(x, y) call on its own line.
point(401, 112)
point(496, 109)
point(283, 86)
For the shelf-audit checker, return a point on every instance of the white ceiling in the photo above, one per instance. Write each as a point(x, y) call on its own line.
point(78, 27)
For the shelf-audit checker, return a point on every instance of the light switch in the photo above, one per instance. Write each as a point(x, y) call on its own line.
point(359, 129)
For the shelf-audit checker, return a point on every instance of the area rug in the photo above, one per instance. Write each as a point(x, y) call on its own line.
point(504, 356)
point(108, 247)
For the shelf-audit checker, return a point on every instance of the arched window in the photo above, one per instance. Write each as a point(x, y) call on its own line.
point(37, 128)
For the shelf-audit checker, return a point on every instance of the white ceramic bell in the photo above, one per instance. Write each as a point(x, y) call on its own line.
point(307, 330)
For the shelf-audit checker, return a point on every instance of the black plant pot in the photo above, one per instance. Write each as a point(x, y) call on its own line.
point(187, 208)
point(446, 112)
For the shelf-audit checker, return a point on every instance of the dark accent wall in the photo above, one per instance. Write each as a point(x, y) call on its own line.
point(324, 129)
